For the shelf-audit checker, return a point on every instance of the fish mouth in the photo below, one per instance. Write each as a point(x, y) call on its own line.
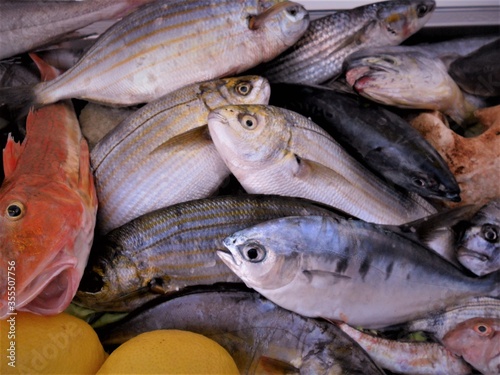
point(474, 254)
point(227, 257)
point(453, 197)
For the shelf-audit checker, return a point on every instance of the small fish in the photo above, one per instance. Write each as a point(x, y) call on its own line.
point(261, 337)
point(48, 210)
point(406, 77)
point(28, 24)
point(403, 357)
point(347, 270)
point(319, 54)
point(381, 139)
point(168, 44)
point(441, 321)
point(162, 154)
point(477, 341)
point(478, 73)
point(272, 150)
point(479, 247)
point(174, 247)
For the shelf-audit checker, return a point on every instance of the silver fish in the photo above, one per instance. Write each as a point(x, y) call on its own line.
point(26, 25)
point(479, 246)
point(319, 54)
point(261, 337)
point(347, 270)
point(168, 44)
point(162, 154)
point(272, 150)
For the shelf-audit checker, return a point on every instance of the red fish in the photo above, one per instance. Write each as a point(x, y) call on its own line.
point(477, 340)
point(48, 211)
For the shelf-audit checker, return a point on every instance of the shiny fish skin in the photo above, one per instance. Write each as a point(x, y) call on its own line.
point(319, 54)
point(347, 270)
point(382, 140)
point(240, 321)
point(140, 166)
point(479, 247)
point(284, 153)
point(168, 44)
point(26, 25)
point(174, 247)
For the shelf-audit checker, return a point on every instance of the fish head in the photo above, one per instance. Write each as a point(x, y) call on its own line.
point(236, 90)
point(477, 341)
point(397, 20)
point(248, 135)
point(281, 25)
point(44, 235)
point(479, 247)
point(258, 257)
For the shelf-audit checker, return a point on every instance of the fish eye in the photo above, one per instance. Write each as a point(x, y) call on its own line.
point(422, 10)
point(243, 88)
point(292, 11)
point(248, 122)
point(418, 182)
point(489, 232)
point(15, 210)
point(254, 253)
point(483, 329)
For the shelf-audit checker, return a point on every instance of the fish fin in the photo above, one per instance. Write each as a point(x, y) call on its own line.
point(267, 365)
point(85, 176)
point(184, 139)
point(328, 277)
point(47, 72)
point(11, 154)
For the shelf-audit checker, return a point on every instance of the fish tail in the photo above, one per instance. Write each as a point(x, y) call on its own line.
point(19, 99)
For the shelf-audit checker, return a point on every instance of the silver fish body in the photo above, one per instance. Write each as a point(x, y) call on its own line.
point(350, 271)
point(160, 155)
point(167, 44)
point(479, 247)
point(272, 150)
point(319, 54)
point(174, 247)
point(256, 332)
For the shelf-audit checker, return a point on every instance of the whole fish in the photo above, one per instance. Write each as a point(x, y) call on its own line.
point(347, 270)
point(162, 154)
point(168, 44)
point(479, 246)
point(261, 337)
point(272, 150)
point(381, 139)
point(174, 247)
point(443, 320)
point(406, 357)
point(477, 341)
point(48, 211)
point(406, 77)
point(26, 25)
point(478, 73)
point(319, 53)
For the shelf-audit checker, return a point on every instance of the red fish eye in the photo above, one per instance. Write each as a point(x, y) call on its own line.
point(482, 329)
point(15, 210)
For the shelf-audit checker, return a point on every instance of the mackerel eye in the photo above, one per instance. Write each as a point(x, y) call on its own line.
point(489, 233)
point(15, 210)
point(243, 88)
point(422, 10)
point(418, 182)
point(483, 329)
point(254, 253)
point(248, 122)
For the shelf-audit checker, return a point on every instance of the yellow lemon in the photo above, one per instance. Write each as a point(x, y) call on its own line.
point(169, 352)
point(59, 344)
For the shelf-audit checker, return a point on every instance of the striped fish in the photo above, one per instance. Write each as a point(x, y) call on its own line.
point(319, 54)
point(175, 247)
point(162, 154)
point(168, 44)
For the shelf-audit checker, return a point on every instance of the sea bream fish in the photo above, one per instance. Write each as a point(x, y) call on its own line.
point(319, 53)
point(28, 24)
point(377, 137)
point(168, 44)
point(261, 337)
point(48, 210)
point(273, 150)
point(347, 270)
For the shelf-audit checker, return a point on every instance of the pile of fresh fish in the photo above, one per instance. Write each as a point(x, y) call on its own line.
point(240, 142)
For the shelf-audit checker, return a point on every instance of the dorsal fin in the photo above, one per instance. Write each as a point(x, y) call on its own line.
point(11, 154)
point(47, 72)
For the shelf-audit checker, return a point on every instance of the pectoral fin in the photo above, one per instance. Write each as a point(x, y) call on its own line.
point(11, 154)
point(267, 365)
point(193, 137)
